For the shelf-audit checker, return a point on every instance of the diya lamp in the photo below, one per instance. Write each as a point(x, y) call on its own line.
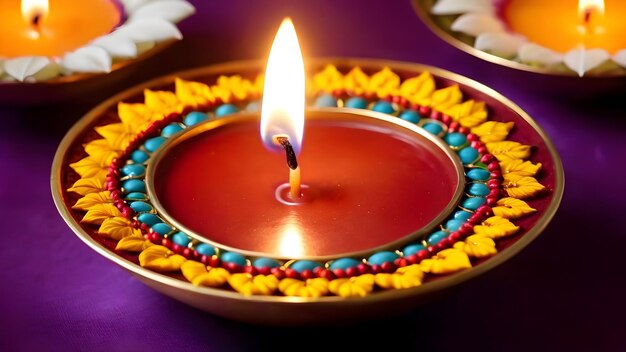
point(554, 37)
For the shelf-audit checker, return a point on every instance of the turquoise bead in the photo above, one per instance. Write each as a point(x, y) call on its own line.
point(382, 257)
point(153, 144)
point(148, 219)
point(412, 249)
point(473, 203)
point(477, 189)
point(253, 106)
point(265, 263)
point(356, 103)
point(433, 128)
point(453, 225)
point(139, 156)
point(455, 139)
point(468, 155)
point(233, 257)
point(133, 170)
point(161, 228)
point(195, 117)
point(435, 237)
point(326, 101)
point(205, 249)
point(181, 239)
point(171, 129)
point(411, 116)
point(344, 263)
point(462, 215)
point(478, 174)
point(384, 107)
point(136, 196)
point(302, 265)
point(134, 186)
point(141, 207)
point(225, 109)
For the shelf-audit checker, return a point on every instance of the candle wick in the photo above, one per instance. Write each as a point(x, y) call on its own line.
point(292, 162)
point(587, 15)
point(36, 20)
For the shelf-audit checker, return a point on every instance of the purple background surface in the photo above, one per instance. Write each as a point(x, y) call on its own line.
point(566, 290)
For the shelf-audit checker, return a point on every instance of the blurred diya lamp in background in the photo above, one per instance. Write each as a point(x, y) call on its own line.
point(555, 37)
point(66, 40)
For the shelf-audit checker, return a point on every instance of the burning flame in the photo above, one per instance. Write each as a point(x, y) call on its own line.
point(282, 112)
point(587, 7)
point(34, 10)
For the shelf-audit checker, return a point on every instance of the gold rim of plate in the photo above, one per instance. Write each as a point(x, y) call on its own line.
point(423, 10)
point(201, 296)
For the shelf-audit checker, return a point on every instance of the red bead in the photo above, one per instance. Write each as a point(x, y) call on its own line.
point(453, 125)
point(464, 130)
point(424, 110)
point(486, 159)
point(307, 274)
point(431, 250)
point(422, 254)
point(339, 273)
point(116, 194)
point(128, 212)
point(415, 107)
point(370, 96)
point(144, 226)
point(446, 119)
point(413, 258)
point(376, 269)
point(494, 183)
point(476, 218)
point(492, 201)
point(440, 246)
point(166, 242)
point(364, 268)
point(495, 193)
point(394, 99)
point(476, 144)
point(388, 267)
point(353, 271)
point(280, 274)
point(455, 236)
point(485, 210)
point(292, 274)
point(249, 269)
point(445, 243)
point(435, 115)
point(466, 229)
point(482, 150)
point(401, 262)
point(214, 261)
point(326, 274)
point(496, 174)
point(266, 270)
point(317, 269)
point(176, 248)
point(205, 260)
point(232, 267)
point(404, 102)
point(188, 253)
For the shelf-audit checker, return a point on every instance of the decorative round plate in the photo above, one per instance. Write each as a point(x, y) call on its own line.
point(513, 187)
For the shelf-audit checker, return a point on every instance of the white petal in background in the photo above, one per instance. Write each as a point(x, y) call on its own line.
point(534, 53)
point(170, 10)
point(501, 44)
point(620, 58)
point(581, 60)
point(22, 68)
point(149, 29)
point(87, 59)
point(455, 7)
point(117, 45)
point(475, 24)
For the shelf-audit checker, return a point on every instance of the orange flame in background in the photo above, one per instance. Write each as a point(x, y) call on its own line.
point(34, 10)
point(588, 7)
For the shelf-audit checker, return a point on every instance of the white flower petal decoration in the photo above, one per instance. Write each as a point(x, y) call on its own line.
point(581, 60)
point(475, 24)
point(148, 23)
point(117, 45)
point(87, 59)
point(149, 30)
point(455, 7)
point(22, 68)
point(169, 10)
point(620, 57)
point(534, 53)
point(501, 44)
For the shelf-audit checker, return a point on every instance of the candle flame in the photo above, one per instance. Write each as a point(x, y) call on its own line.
point(588, 7)
point(282, 112)
point(34, 10)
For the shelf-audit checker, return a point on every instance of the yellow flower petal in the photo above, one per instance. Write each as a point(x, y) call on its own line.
point(358, 286)
point(508, 150)
point(493, 131)
point(356, 81)
point(444, 98)
point(468, 114)
point(117, 227)
point(91, 199)
point(447, 261)
point(477, 246)
point(136, 115)
point(496, 227)
point(118, 134)
point(316, 287)
point(327, 80)
point(384, 83)
point(193, 93)
point(199, 275)
point(90, 167)
point(512, 208)
point(162, 103)
point(100, 149)
point(160, 259)
point(89, 185)
point(133, 243)
point(417, 89)
point(248, 285)
point(100, 212)
point(405, 277)
point(519, 167)
point(521, 187)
